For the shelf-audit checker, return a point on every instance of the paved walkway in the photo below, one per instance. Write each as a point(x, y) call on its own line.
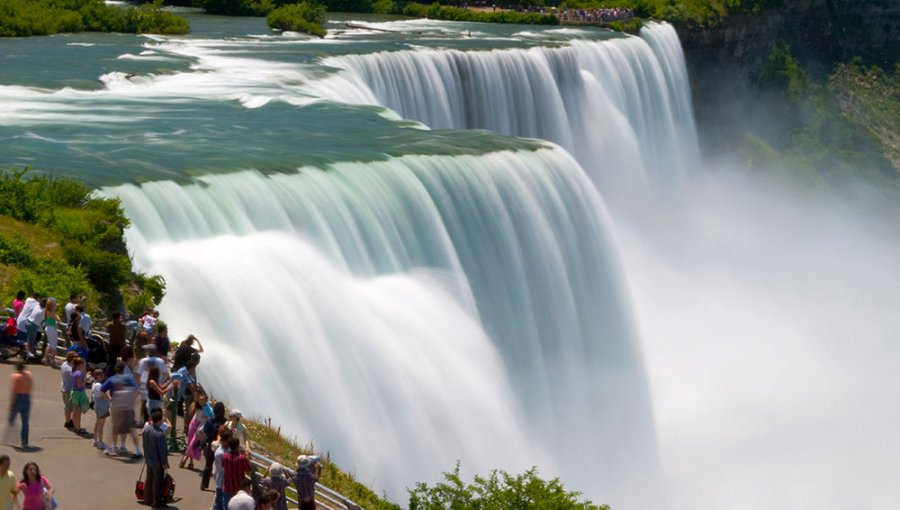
point(83, 477)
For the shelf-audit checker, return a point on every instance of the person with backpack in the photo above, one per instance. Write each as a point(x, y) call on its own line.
point(36, 490)
point(156, 458)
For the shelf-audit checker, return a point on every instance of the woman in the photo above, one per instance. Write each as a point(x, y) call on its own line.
point(211, 433)
point(278, 479)
point(201, 411)
point(50, 321)
point(33, 487)
point(80, 401)
point(155, 391)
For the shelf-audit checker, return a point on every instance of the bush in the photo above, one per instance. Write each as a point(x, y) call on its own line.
point(499, 491)
point(306, 17)
point(20, 18)
point(436, 11)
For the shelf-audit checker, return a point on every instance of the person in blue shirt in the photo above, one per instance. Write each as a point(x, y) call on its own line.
point(123, 389)
point(187, 385)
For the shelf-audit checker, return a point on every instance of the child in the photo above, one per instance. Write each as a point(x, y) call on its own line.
point(80, 401)
point(200, 411)
point(101, 407)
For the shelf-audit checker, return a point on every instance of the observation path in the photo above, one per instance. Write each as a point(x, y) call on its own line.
point(82, 476)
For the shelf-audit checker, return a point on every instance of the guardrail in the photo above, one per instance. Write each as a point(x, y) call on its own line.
point(326, 497)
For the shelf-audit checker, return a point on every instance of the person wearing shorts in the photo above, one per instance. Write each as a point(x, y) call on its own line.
point(65, 372)
point(123, 389)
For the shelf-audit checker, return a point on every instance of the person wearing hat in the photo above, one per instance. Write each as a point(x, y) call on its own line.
point(308, 471)
point(278, 478)
point(240, 431)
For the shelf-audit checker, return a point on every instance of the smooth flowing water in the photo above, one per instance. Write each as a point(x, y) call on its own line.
point(397, 244)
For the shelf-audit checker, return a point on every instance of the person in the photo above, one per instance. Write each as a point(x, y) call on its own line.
point(71, 306)
point(211, 432)
point(187, 385)
point(236, 466)
point(242, 499)
point(26, 326)
point(143, 373)
point(156, 459)
point(148, 321)
point(278, 479)
point(270, 499)
point(186, 351)
point(123, 389)
point(162, 342)
point(65, 386)
point(76, 334)
point(240, 430)
point(52, 332)
point(221, 448)
point(22, 384)
point(308, 471)
point(101, 408)
point(155, 390)
point(80, 402)
point(7, 484)
point(18, 303)
point(85, 321)
point(129, 360)
point(199, 411)
point(32, 487)
point(116, 330)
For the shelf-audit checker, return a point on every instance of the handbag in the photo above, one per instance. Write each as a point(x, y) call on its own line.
point(139, 485)
point(49, 501)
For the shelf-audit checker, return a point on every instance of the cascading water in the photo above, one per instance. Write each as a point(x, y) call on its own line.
point(622, 107)
point(413, 312)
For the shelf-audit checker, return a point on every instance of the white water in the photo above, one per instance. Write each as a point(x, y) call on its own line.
point(412, 312)
point(622, 107)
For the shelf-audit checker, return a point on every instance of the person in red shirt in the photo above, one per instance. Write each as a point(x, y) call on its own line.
point(236, 466)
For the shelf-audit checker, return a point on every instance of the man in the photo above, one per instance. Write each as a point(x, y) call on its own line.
point(186, 351)
point(162, 342)
point(243, 500)
point(65, 386)
point(123, 388)
point(309, 468)
point(85, 321)
point(143, 373)
point(156, 459)
point(221, 449)
point(7, 484)
point(187, 383)
point(20, 400)
point(71, 307)
point(116, 330)
point(236, 466)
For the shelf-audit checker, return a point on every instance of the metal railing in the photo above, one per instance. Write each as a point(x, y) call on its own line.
point(325, 497)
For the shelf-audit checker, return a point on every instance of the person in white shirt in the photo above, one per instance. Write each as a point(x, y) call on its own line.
point(85, 322)
point(70, 307)
point(242, 500)
point(143, 373)
point(29, 322)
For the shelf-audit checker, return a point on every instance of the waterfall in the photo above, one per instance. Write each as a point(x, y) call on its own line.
point(411, 312)
point(622, 106)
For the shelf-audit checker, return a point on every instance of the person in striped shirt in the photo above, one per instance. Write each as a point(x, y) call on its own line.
point(236, 466)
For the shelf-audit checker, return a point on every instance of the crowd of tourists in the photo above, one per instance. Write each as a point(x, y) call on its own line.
point(140, 385)
point(597, 15)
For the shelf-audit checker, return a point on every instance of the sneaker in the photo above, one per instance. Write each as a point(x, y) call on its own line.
point(109, 451)
point(96, 444)
point(137, 455)
point(122, 450)
point(69, 425)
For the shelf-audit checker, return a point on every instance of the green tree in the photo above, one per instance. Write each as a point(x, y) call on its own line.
point(498, 491)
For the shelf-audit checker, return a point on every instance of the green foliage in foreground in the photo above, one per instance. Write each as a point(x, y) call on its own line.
point(57, 237)
point(436, 11)
point(22, 18)
point(499, 491)
point(306, 17)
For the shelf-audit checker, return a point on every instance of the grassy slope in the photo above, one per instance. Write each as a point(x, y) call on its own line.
point(871, 97)
point(272, 444)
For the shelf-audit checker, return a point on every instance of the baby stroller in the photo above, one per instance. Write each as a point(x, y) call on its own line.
point(97, 353)
point(9, 345)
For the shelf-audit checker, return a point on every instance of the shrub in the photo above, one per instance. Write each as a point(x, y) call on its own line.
point(45, 17)
point(436, 11)
point(304, 17)
point(499, 491)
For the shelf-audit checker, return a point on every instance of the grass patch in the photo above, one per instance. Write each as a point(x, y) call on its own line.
point(269, 442)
